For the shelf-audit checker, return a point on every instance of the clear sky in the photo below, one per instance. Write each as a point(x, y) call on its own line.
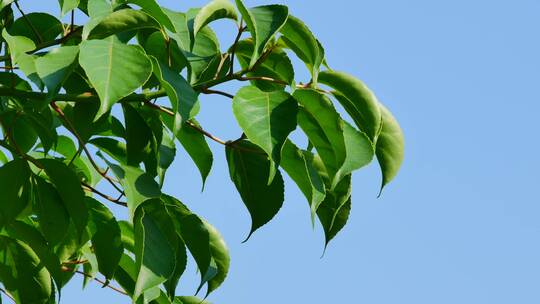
point(461, 222)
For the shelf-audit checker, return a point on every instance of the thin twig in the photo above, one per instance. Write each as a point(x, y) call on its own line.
point(104, 283)
point(209, 91)
point(241, 29)
point(8, 295)
point(36, 33)
point(263, 78)
point(82, 144)
point(103, 195)
point(189, 123)
point(205, 133)
point(9, 68)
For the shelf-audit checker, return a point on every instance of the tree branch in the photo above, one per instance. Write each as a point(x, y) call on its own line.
point(209, 91)
point(82, 145)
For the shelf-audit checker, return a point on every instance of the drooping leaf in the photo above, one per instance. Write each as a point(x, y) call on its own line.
point(267, 118)
point(277, 66)
point(14, 190)
point(263, 23)
point(215, 10)
point(333, 212)
point(53, 217)
point(357, 99)
point(196, 146)
point(68, 5)
point(182, 96)
point(114, 69)
point(30, 236)
point(249, 169)
point(299, 166)
point(106, 237)
point(54, 67)
point(390, 146)
point(114, 148)
point(298, 37)
point(23, 274)
point(139, 137)
point(138, 185)
point(155, 258)
point(220, 257)
point(121, 21)
point(324, 128)
point(65, 179)
point(193, 232)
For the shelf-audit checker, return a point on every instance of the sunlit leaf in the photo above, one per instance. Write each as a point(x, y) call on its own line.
point(266, 118)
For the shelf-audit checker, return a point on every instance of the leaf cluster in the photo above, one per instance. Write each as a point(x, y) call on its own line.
point(91, 116)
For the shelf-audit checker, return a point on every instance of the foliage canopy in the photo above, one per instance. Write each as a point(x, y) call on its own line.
point(80, 117)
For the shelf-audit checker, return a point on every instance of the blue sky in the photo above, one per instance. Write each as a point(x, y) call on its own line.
point(461, 222)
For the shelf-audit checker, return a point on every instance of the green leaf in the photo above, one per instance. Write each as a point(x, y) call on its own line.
point(122, 21)
point(181, 95)
point(192, 231)
point(196, 146)
point(359, 152)
point(155, 258)
point(390, 146)
point(114, 69)
point(324, 128)
point(52, 215)
point(342, 148)
point(68, 5)
point(114, 148)
point(267, 118)
point(138, 185)
point(333, 212)
point(28, 234)
point(5, 3)
point(97, 10)
point(46, 26)
point(299, 166)
point(156, 46)
point(55, 67)
point(263, 23)
point(18, 46)
point(14, 190)
point(106, 237)
point(357, 99)
point(153, 9)
point(189, 300)
point(3, 158)
point(277, 65)
point(23, 274)
point(215, 10)
point(23, 133)
point(298, 37)
point(167, 153)
point(220, 257)
point(249, 169)
point(71, 192)
point(139, 137)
